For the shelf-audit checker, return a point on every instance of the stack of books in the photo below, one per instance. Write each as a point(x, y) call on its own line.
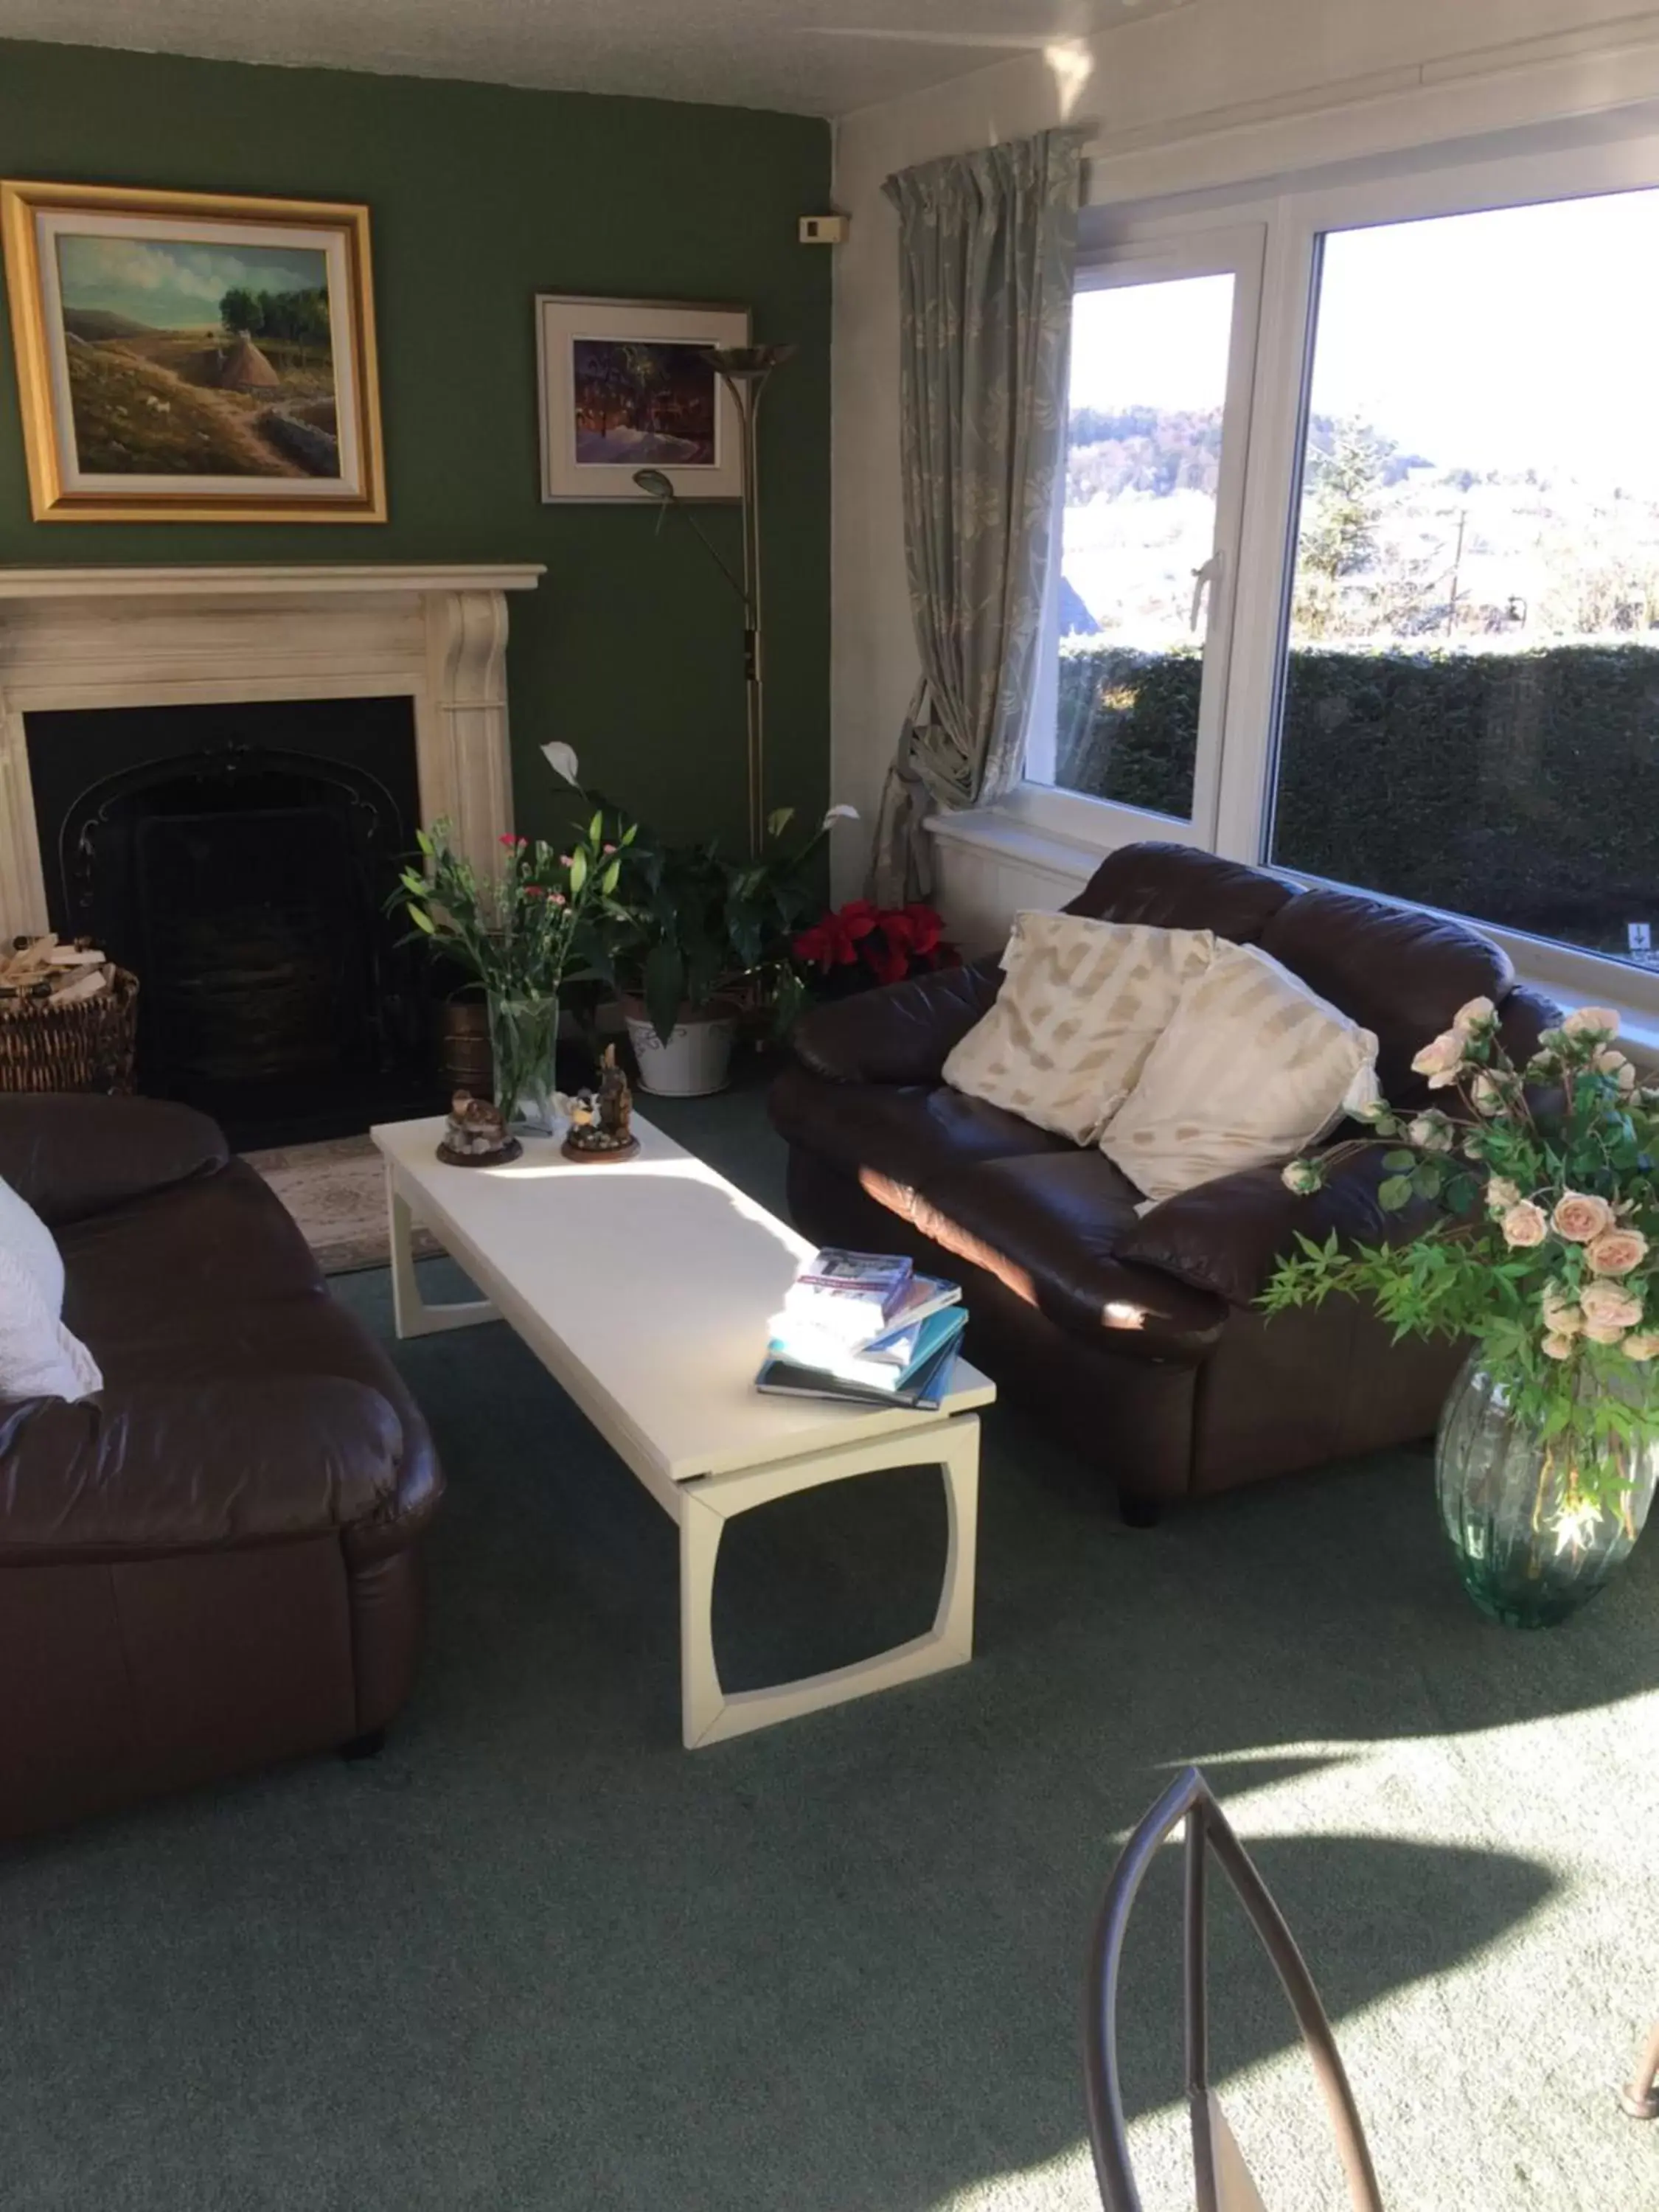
point(865, 1327)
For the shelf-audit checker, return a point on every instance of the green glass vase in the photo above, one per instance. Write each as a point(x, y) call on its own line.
point(524, 1036)
point(1531, 1549)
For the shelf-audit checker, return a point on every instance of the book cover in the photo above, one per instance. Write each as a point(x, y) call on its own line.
point(918, 1343)
point(853, 1294)
point(925, 1393)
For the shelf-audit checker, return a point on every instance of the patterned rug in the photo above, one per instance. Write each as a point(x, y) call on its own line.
point(337, 1193)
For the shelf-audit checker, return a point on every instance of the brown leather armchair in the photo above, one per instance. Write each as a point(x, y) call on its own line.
point(211, 1565)
point(1137, 1336)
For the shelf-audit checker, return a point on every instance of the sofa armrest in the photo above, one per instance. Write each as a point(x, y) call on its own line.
point(1228, 1235)
point(70, 1153)
point(1523, 1016)
point(161, 1468)
point(901, 1033)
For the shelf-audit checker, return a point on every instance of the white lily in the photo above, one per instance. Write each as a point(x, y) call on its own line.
point(562, 759)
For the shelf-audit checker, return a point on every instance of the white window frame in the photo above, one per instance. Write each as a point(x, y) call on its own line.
point(1271, 372)
point(1150, 254)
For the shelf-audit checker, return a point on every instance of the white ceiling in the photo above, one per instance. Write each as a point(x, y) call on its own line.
point(814, 57)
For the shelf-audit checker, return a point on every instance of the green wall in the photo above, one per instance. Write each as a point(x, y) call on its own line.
point(480, 197)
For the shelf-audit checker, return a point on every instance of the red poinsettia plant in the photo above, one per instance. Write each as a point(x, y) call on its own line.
point(880, 944)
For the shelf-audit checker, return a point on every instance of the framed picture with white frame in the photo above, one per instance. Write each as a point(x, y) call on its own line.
point(624, 386)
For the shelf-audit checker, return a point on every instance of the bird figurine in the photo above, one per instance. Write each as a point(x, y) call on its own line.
point(601, 1121)
point(476, 1134)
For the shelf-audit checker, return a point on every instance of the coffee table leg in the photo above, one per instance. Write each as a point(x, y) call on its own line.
point(707, 1714)
point(411, 1315)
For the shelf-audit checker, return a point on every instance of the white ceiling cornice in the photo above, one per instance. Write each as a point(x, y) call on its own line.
point(806, 56)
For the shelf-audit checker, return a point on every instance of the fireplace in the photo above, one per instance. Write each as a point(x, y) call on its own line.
point(239, 857)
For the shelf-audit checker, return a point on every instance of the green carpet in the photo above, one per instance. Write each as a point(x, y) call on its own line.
point(539, 1956)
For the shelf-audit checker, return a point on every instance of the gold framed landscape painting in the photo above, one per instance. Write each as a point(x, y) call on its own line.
point(192, 357)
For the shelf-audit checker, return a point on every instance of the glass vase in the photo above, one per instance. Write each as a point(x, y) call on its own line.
point(523, 1035)
point(1531, 1547)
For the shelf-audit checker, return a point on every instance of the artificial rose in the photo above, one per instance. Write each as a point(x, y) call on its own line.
point(1561, 1316)
point(1302, 1177)
point(1476, 1014)
point(1501, 1195)
point(1603, 1331)
point(1432, 1132)
point(1616, 1251)
point(1615, 1065)
point(1524, 1225)
point(1609, 1305)
point(1640, 1347)
point(1486, 1093)
point(1579, 1218)
point(1441, 1060)
point(1591, 1021)
point(1557, 1347)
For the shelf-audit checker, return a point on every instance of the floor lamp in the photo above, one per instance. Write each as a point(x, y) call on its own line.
point(744, 371)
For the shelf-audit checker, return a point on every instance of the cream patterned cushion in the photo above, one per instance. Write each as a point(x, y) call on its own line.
point(1081, 1006)
point(1252, 1068)
point(38, 1357)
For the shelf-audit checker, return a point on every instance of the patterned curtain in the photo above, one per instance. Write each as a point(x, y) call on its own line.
point(988, 245)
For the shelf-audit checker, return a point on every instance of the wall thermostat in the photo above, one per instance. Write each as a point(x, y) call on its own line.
point(824, 229)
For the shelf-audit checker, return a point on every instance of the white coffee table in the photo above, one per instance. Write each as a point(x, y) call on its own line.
point(644, 1289)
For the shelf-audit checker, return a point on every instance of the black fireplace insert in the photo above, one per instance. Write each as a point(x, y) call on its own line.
point(239, 859)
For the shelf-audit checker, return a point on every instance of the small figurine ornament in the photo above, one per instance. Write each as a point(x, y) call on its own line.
point(600, 1121)
point(475, 1136)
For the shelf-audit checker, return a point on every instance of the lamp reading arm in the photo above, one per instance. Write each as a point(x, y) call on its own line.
point(655, 485)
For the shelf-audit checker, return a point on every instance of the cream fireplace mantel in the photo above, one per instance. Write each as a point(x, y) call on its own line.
point(155, 637)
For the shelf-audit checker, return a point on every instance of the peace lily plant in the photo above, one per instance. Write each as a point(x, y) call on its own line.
point(1539, 1243)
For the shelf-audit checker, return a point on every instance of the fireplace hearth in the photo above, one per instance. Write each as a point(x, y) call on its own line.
point(240, 858)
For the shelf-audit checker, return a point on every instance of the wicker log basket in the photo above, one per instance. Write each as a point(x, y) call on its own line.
point(86, 1045)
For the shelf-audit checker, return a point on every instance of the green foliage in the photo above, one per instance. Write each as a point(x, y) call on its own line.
point(523, 930)
point(1520, 787)
point(1342, 510)
point(703, 926)
point(1541, 1243)
point(299, 317)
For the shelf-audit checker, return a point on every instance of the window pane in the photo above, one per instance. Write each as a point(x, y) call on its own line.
point(1471, 709)
point(1149, 382)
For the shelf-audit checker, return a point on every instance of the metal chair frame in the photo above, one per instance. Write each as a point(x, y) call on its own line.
point(1189, 1799)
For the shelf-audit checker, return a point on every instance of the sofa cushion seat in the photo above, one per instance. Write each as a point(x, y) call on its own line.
point(1048, 1227)
point(904, 1134)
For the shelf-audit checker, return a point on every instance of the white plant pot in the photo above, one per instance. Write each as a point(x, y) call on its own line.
point(697, 1057)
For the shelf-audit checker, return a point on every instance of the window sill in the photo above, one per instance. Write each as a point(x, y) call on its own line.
point(1068, 864)
point(988, 830)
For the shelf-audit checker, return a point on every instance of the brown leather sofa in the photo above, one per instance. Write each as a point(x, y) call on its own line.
point(1138, 1337)
point(210, 1565)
